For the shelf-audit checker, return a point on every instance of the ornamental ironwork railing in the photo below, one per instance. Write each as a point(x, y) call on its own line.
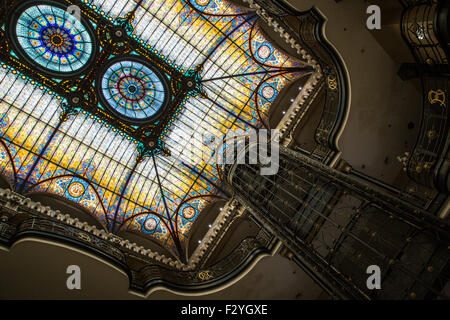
point(336, 84)
point(337, 227)
point(421, 28)
point(430, 151)
point(52, 229)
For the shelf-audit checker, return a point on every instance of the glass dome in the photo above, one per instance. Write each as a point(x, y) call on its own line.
point(87, 158)
point(53, 38)
point(133, 89)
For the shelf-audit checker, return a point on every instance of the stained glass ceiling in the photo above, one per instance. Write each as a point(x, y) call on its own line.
point(101, 110)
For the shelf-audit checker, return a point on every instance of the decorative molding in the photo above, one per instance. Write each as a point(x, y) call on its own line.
point(230, 210)
point(12, 204)
point(203, 279)
point(298, 106)
point(21, 217)
point(286, 35)
point(312, 46)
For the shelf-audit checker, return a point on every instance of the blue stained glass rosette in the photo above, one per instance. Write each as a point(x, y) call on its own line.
point(133, 90)
point(53, 38)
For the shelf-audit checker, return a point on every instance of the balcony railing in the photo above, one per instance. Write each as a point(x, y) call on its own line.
point(419, 21)
point(421, 26)
point(432, 144)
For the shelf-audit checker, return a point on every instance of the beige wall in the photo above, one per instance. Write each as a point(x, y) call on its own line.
point(381, 104)
point(35, 269)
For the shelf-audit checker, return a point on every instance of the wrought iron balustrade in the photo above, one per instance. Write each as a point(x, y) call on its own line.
point(431, 148)
point(420, 30)
point(421, 27)
point(338, 226)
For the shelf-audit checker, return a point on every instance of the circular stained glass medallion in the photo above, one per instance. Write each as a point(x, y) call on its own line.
point(150, 224)
point(133, 89)
point(202, 2)
point(53, 38)
point(264, 52)
point(268, 92)
point(188, 212)
point(76, 189)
